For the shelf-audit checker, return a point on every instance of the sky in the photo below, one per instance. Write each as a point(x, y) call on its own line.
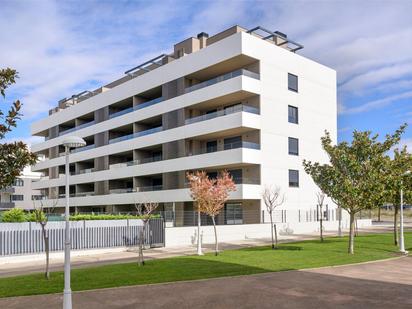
point(61, 48)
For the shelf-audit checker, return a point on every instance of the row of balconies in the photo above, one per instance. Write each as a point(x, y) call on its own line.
point(126, 106)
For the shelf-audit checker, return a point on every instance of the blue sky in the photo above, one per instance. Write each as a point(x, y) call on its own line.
point(61, 48)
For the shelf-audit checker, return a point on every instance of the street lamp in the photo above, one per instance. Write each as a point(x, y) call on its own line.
point(69, 142)
point(401, 237)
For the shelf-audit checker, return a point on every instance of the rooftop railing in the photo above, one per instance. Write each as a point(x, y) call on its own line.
point(222, 78)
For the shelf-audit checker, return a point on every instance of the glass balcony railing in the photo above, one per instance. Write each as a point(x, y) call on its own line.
point(83, 148)
point(135, 108)
point(224, 112)
point(223, 78)
point(241, 144)
point(134, 135)
point(136, 162)
point(82, 126)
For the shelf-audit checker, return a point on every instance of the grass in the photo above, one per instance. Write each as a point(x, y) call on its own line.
point(298, 255)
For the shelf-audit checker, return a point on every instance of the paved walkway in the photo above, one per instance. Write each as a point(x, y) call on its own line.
point(371, 285)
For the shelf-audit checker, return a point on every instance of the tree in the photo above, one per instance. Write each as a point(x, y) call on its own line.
point(145, 212)
point(41, 218)
point(320, 198)
point(272, 198)
point(395, 180)
point(211, 195)
point(355, 176)
point(14, 156)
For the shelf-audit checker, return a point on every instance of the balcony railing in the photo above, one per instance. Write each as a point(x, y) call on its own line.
point(135, 108)
point(223, 78)
point(83, 148)
point(134, 135)
point(136, 162)
point(241, 144)
point(224, 112)
point(84, 125)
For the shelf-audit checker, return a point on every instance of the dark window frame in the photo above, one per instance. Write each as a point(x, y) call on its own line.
point(297, 83)
point(293, 184)
point(291, 117)
point(290, 151)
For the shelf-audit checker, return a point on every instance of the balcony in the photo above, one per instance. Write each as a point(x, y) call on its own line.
point(224, 112)
point(134, 135)
point(135, 108)
point(83, 148)
point(82, 126)
point(222, 78)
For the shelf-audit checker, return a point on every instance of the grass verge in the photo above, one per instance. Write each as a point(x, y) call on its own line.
point(297, 255)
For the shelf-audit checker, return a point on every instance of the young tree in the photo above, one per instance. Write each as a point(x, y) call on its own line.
point(145, 211)
point(210, 195)
point(321, 198)
point(355, 176)
point(199, 185)
point(13, 156)
point(395, 180)
point(272, 198)
point(41, 218)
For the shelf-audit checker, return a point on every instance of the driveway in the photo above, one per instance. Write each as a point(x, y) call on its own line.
point(383, 284)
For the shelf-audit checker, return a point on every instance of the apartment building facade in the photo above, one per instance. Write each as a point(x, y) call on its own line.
point(241, 100)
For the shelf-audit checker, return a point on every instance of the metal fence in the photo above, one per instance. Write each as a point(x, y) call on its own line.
point(24, 238)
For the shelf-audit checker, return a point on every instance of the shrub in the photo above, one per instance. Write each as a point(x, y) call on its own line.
point(81, 217)
point(14, 215)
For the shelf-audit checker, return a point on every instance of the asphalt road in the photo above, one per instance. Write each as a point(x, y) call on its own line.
point(385, 284)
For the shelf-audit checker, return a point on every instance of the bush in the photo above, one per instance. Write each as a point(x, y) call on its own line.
point(14, 215)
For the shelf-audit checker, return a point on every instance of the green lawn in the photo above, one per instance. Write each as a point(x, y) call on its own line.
point(299, 255)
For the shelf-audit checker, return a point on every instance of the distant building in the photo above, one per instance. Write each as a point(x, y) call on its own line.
point(21, 193)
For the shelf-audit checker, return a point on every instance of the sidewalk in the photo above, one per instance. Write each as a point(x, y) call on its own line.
point(25, 264)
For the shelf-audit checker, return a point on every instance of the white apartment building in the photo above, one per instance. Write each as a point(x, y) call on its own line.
point(21, 194)
point(241, 100)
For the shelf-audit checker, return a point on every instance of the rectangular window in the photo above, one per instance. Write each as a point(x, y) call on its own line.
point(17, 197)
point(293, 116)
point(293, 146)
point(211, 146)
point(293, 178)
point(18, 182)
point(292, 82)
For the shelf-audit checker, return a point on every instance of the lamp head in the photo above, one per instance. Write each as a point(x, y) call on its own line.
point(74, 142)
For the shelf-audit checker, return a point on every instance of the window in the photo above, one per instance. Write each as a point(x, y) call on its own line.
point(292, 82)
point(293, 178)
point(293, 146)
point(236, 175)
point(293, 116)
point(17, 197)
point(211, 146)
point(37, 197)
point(18, 182)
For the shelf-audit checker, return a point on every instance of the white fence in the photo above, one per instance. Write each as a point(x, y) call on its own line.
point(24, 238)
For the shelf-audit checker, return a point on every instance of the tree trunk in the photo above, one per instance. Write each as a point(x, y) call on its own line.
point(395, 225)
point(351, 233)
point(271, 228)
point(216, 243)
point(321, 224)
point(46, 249)
point(141, 242)
point(340, 221)
point(379, 214)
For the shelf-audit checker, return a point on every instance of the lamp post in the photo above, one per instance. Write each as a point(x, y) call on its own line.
point(401, 236)
point(69, 142)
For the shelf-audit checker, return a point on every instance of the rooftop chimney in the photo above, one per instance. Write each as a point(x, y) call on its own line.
point(203, 36)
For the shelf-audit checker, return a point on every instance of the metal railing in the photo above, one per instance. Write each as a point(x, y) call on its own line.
point(223, 78)
point(134, 135)
point(135, 108)
point(226, 111)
